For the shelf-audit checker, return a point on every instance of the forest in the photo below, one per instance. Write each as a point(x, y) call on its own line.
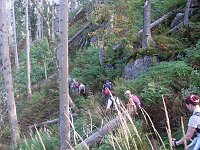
point(99, 74)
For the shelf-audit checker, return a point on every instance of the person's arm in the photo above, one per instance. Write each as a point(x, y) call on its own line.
point(190, 132)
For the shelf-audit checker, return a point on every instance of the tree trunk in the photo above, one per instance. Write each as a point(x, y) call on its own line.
point(98, 135)
point(28, 66)
point(146, 37)
point(156, 23)
point(13, 123)
point(1, 88)
point(39, 31)
point(187, 12)
point(15, 37)
point(42, 21)
point(101, 52)
point(52, 22)
point(63, 76)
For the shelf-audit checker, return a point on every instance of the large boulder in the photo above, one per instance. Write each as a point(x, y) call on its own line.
point(133, 70)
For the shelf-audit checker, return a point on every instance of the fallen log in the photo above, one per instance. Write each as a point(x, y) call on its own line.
point(98, 135)
point(79, 32)
point(43, 123)
point(47, 122)
point(175, 28)
point(157, 22)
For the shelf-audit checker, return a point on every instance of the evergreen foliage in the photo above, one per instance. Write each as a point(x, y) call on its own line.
point(87, 68)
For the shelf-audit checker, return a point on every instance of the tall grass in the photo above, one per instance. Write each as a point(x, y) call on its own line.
point(40, 141)
point(128, 135)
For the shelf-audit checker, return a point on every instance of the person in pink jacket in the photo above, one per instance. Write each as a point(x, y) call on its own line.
point(134, 101)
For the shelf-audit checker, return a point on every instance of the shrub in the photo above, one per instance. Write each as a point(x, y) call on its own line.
point(87, 68)
point(193, 56)
point(167, 47)
point(39, 57)
point(50, 142)
point(164, 78)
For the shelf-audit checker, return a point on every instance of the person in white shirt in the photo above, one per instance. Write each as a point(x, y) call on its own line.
point(82, 89)
point(193, 105)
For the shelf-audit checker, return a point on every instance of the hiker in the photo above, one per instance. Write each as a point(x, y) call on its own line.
point(75, 86)
point(70, 81)
point(82, 89)
point(111, 101)
point(106, 92)
point(134, 101)
point(193, 105)
point(111, 86)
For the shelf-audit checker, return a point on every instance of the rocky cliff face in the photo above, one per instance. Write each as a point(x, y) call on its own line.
point(133, 70)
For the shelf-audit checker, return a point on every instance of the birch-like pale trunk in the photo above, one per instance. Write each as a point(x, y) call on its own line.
point(146, 36)
point(1, 96)
point(187, 12)
point(39, 31)
point(63, 76)
point(28, 65)
point(52, 22)
point(42, 21)
point(12, 114)
point(15, 36)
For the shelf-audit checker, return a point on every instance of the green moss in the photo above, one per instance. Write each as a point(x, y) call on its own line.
point(167, 47)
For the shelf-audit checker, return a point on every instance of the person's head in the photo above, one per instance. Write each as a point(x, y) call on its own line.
point(107, 81)
point(127, 93)
point(192, 101)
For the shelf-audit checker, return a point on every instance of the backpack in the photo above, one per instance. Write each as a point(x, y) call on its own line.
point(106, 89)
point(75, 84)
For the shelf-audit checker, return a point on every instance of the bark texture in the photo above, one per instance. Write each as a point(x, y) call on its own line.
point(13, 123)
point(63, 76)
point(187, 12)
point(146, 37)
point(15, 36)
point(28, 65)
point(39, 31)
point(98, 135)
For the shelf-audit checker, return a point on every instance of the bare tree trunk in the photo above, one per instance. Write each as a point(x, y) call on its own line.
point(13, 123)
point(29, 94)
point(42, 20)
point(146, 37)
point(63, 76)
point(1, 88)
point(187, 12)
point(101, 52)
point(156, 23)
point(15, 37)
point(39, 31)
point(52, 22)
